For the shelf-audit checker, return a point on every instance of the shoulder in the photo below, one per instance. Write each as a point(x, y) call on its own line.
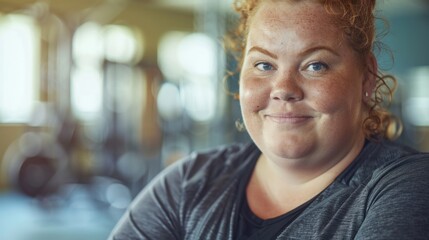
point(403, 172)
point(398, 187)
point(218, 157)
point(398, 159)
point(175, 199)
point(376, 159)
point(380, 157)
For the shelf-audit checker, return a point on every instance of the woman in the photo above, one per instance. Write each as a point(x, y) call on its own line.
point(319, 166)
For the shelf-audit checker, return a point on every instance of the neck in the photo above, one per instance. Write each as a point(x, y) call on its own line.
point(302, 171)
point(274, 190)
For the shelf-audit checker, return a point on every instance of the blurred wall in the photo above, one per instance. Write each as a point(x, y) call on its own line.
point(408, 39)
point(147, 17)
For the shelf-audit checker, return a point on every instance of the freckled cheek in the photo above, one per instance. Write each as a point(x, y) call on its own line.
point(329, 99)
point(253, 96)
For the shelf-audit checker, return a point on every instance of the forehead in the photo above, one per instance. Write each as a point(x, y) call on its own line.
point(307, 19)
point(291, 11)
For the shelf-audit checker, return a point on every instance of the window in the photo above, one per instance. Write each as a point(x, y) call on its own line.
point(19, 60)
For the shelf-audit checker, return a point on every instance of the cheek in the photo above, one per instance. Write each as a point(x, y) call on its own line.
point(326, 100)
point(253, 96)
point(338, 96)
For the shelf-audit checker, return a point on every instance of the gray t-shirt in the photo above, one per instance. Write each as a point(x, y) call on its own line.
point(383, 194)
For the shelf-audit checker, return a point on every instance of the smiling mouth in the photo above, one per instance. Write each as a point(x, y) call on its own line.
point(288, 119)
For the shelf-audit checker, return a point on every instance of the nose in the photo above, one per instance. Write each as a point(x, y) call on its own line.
point(286, 88)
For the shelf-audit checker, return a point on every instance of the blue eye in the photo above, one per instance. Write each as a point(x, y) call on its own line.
point(317, 67)
point(263, 66)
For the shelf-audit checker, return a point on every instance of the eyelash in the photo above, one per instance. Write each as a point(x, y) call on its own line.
point(257, 65)
point(322, 64)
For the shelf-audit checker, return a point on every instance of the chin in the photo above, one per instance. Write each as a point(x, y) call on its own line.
point(291, 151)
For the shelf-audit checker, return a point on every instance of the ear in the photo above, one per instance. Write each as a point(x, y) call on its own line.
point(370, 80)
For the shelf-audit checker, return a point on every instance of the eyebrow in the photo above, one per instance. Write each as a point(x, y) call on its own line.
point(306, 52)
point(264, 51)
point(319, 48)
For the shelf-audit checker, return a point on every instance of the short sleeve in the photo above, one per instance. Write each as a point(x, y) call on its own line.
point(399, 204)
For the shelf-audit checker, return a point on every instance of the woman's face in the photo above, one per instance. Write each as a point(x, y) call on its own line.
point(301, 85)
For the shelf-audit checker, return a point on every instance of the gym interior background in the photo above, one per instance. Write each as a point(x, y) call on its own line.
point(97, 96)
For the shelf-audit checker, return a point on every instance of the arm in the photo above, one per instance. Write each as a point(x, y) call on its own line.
point(399, 205)
point(154, 214)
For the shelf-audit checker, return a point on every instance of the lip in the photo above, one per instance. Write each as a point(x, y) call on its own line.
point(288, 118)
